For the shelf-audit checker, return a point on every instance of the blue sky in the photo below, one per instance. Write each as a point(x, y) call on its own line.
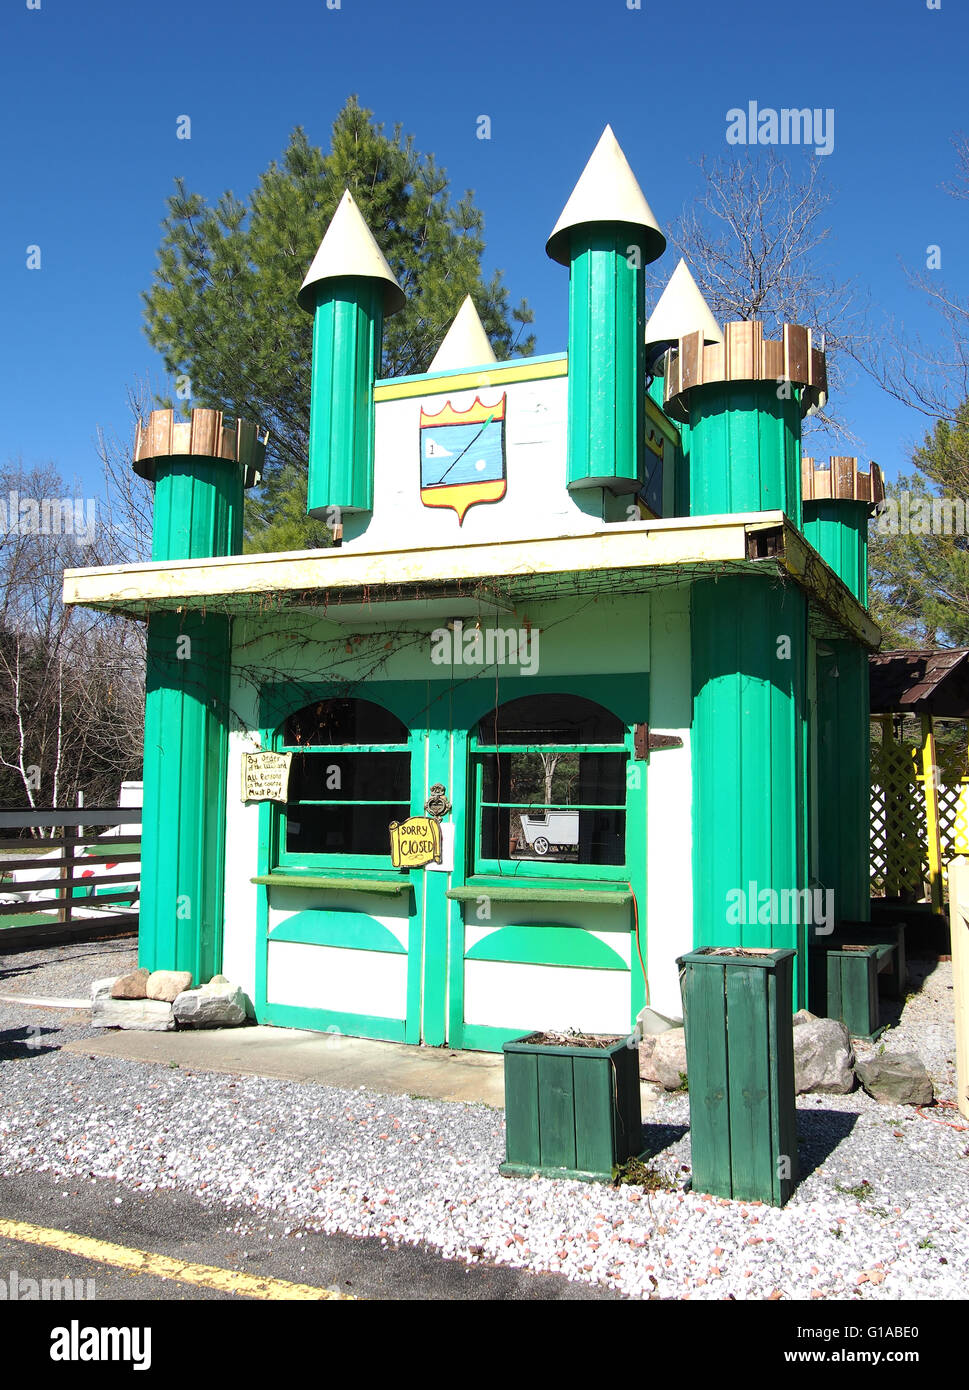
point(91, 91)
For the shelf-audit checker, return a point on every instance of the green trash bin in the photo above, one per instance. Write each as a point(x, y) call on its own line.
point(571, 1111)
point(737, 1012)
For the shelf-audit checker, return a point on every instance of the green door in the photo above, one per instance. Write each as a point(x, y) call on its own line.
point(531, 920)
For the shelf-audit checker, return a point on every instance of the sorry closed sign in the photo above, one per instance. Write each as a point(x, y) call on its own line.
point(415, 842)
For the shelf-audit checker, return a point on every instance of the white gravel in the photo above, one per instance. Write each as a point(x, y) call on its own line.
point(419, 1171)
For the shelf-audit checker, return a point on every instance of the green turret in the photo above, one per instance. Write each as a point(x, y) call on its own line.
point(606, 235)
point(744, 401)
point(200, 470)
point(349, 289)
point(838, 502)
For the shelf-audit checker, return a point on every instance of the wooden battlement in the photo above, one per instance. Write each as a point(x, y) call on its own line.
point(746, 355)
point(206, 434)
point(840, 479)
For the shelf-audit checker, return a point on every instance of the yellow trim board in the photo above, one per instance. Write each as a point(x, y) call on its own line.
point(520, 369)
point(228, 1281)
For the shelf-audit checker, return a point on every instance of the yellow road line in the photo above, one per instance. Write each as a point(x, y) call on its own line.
point(230, 1281)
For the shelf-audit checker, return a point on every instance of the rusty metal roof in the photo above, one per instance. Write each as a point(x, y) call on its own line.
point(926, 680)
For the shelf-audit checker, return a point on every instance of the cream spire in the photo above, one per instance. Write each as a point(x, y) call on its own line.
point(607, 191)
point(681, 309)
point(349, 250)
point(465, 344)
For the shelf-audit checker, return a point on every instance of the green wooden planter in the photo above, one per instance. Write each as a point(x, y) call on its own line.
point(844, 983)
point(570, 1112)
point(737, 1012)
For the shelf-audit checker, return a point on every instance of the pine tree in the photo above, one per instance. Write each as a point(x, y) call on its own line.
point(222, 307)
point(919, 556)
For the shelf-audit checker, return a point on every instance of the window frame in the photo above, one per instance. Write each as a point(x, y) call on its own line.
point(292, 860)
point(481, 866)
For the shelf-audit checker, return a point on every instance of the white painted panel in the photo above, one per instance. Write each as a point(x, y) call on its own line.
point(669, 792)
point(499, 994)
point(575, 637)
point(241, 861)
point(446, 865)
point(329, 977)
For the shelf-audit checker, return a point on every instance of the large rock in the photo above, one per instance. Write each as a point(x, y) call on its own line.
point(149, 1015)
point(662, 1058)
point(897, 1078)
point(216, 1005)
point(823, 1056)
point(131, 986)
point(168, 984)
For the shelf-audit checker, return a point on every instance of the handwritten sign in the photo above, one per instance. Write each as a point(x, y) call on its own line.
point(265, 776)
point(415, 842)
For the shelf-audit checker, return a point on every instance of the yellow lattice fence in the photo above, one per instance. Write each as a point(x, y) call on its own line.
point(905, 812)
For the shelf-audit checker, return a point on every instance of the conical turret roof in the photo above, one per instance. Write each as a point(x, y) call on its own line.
point(465, 344)
point(349, 249)
point(681, 309)
point(607, 191)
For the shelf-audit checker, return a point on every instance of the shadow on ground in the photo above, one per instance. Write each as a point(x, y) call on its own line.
point(819, 1132)
point(21, 1044)
point(656, 1138)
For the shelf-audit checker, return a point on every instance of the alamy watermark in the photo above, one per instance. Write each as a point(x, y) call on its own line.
point(456, 645)
point(16, 1289)
point(773, 906)
point(47, 516)
point(919, 514)
point(791, 125)
point(77, 1343)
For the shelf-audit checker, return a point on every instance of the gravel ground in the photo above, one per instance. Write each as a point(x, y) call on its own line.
point(880, 1213)
point(66, 972)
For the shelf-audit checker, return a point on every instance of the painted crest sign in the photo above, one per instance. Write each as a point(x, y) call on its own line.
point(463, 455)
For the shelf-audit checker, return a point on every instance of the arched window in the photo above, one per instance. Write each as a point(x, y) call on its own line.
point(550, 784)
point(350, 777)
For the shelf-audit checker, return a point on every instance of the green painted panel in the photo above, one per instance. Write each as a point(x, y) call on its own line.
point(595, 1116)
point(704, 1019)
point(681, 474)
point(744, 450)
point(330, 1020)
point(748, 739)
point(556, 1111)
point(347, 333)
point(198, 508)
point(354, 931)
point(479, 1037)
point(435, 908)
point(843, 777)
point(748, 1082)
point(783, 1099)
point(607, 358)
point(186, 740)
point(838, 530)
point(538, 944)
point(521, 1108)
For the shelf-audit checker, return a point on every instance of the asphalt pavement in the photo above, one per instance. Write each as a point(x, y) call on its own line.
point(171, 1223)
